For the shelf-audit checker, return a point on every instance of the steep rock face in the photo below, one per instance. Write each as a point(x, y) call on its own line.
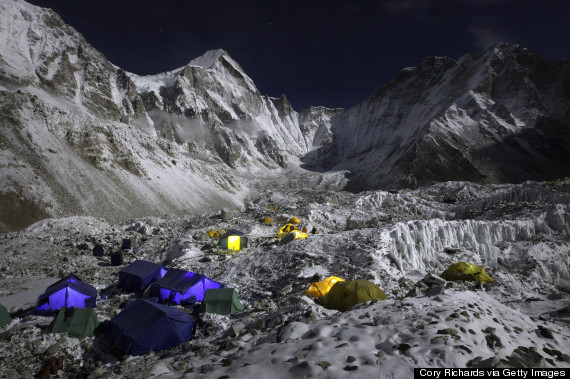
point(79, 135)
point(213, 97)
point(40, 50)
point(498, 117)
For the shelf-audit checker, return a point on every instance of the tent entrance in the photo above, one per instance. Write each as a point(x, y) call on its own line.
point(233, 242)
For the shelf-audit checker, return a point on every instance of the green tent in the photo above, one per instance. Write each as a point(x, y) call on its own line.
point(343, 295)
point(5, 318)
point(77, 322)
point(221, 301)
point(466, 271)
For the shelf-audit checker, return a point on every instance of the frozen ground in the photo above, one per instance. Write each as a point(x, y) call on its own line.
point(519, 233)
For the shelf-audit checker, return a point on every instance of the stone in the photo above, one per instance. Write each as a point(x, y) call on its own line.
point(235, 329)
point(545, 332)
point(431, 279)
point(487, 363)
point(324, 365)
point(523, 357)
point(493, 341)
point(350, 368)
point(350, 359)
point(451, 331)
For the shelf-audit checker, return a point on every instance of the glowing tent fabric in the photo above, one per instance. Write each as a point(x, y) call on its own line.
point(67, 292)
point(144, 326)
point(138, 275)
point(233, 240)
point(320, 289)
point(343, 295)
point(181, 286)
point(466, 271)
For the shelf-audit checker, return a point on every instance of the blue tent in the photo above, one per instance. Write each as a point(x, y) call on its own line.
point(181, 286)
point(144, 326)
point(139, 274)
point(67, 292)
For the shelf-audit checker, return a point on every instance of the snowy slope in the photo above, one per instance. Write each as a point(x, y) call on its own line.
point(81, 136)
point(501, 116)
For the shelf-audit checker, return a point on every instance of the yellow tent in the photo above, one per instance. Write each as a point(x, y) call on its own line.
point(294, 220)
point(288, 228)
point(215, 233)
point(320, 289)
point(343, 295)
point(266, 220)
point(466, 271)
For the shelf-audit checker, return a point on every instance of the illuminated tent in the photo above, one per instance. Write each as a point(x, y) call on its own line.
point(286, 229)
point(4, 316)
point(181, 286)
point(343, 295)
point(67, 292)
point(215, 233)
point(144, 326)
point(77, 322)
point(222, 301)
point(233, 240)
point(466, 271)
point(320, 289)
point(139, 274)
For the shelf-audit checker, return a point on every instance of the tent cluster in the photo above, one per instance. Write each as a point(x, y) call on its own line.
point(337, 293)
point(143, 325)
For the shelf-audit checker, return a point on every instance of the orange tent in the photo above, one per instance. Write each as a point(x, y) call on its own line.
point(320, 289)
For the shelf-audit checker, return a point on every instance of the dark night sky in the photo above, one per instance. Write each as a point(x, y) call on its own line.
point(331, 53)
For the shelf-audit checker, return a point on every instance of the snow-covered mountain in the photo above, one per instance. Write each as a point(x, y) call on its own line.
point(82, 136)
point(502, 116)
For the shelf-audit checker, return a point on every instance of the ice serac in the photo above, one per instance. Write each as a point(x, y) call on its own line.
point(498, 117)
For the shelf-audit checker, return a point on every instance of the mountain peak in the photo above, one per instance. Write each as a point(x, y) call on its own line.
point(207, 60)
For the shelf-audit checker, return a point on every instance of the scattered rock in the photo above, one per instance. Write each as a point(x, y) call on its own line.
point(235, 329)
point(493, 341)
point(451, 331)
point(545, 332)
point(523, 357)
point(324, 365)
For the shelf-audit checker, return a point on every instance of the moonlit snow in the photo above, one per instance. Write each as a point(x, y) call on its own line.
point(394, 189)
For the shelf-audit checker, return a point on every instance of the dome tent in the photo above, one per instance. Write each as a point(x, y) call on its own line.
point(67, 292)
point(181, 286)
point(144, 326)
point(343, 295)
point(466, 271)
point(77, 322)
point(320, 289)
point(233, 240)
point(139, 274)
point(222, 301)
